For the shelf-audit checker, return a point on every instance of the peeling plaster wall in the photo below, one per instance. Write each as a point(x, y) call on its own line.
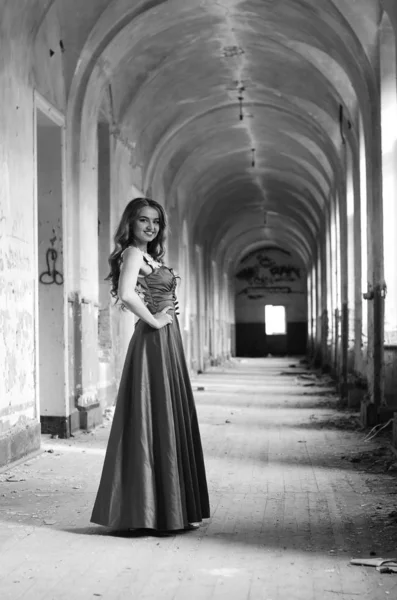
point(51, 283)
point(212, 322)
point(17, 227)
point(83, 202)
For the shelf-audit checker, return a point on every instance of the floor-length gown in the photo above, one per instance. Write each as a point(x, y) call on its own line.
point(154, 475)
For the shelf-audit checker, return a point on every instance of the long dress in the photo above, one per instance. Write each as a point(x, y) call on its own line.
point(153, 475)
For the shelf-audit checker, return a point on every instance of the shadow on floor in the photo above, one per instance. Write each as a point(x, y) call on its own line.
point(285, 534)
point(118, 533)
point(300, 402)
point(326, 421)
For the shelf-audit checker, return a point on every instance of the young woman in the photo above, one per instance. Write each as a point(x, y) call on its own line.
point(153, 475)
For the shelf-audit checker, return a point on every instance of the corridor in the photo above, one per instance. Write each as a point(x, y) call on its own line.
point(266, 130)
point(293, 500)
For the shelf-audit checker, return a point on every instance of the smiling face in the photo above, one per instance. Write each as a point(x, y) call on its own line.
point(146, 227)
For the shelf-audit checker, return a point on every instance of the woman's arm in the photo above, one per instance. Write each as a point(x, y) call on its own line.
point(132, 262)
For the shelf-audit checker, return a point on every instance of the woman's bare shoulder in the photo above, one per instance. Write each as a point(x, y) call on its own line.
point(131, 252)
point(131, 260)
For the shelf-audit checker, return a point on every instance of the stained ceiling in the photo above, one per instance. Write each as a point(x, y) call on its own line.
point(239, 109)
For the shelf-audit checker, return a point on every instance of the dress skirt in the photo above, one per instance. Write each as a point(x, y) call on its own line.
point(153, 475)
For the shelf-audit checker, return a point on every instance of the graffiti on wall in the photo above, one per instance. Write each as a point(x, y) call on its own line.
point(266, 275)
point(52, 275)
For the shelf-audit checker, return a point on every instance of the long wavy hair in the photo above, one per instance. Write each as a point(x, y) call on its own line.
point(124, 237)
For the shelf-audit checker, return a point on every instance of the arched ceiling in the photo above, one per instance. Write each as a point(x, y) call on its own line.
point(234, 106)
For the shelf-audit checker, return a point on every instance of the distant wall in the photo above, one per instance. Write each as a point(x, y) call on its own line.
point(270, 276)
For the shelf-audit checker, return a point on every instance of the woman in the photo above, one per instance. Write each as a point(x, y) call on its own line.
point(153, 475)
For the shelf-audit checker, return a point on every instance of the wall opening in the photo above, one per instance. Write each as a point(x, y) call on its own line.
point(275, 320)
point(388, 89)
point(388, 61)
point(330, 292)
point(227, 343)
point(364, 239)
point(335, 276)
point(313, 308)
point(351, 257)
point(319, 292)
point(51, 296)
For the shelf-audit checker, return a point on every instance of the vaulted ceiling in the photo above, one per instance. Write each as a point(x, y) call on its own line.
point(234, 106)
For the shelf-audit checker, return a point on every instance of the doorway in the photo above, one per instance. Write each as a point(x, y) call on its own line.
point(51, 296)
point(276, 329)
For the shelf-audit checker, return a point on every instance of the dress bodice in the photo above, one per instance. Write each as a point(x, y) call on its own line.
point(157, 289)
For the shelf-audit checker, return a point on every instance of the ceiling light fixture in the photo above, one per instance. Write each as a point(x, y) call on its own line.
point(240, 97)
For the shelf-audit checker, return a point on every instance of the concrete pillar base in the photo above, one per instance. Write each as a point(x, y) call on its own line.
point(18, 442)
point(63, 427)
point(385, 413)
point(90, 416)
point(368, 414)
point(371, 415)
point(355, 396)
point(86, 417)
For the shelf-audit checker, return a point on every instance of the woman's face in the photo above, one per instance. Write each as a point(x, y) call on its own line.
point(146, 226)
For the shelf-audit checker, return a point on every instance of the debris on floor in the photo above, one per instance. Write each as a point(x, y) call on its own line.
point(379, 460)
point(281, 494)
point(383, 565)
point(109, 413)
point(344, 422)
point(315, 379)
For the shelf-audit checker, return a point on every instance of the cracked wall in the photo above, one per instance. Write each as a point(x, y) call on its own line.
point(19, 418)
point(17, 256)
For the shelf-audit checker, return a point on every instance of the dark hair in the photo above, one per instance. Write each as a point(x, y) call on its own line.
point(124, 237)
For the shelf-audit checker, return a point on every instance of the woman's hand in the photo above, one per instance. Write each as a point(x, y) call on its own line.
point(163, 318)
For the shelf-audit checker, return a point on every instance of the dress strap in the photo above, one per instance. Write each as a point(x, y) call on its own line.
point(148, 261)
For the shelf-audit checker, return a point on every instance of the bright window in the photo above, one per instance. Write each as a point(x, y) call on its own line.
point(275, 320)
